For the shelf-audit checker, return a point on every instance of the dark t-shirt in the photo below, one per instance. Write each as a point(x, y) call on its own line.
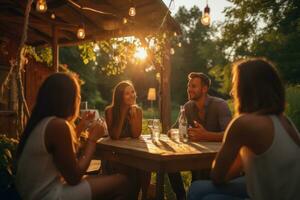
point(217, 114)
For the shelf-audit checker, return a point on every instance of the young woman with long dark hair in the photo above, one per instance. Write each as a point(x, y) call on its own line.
point(124, 119)
point(123, 116)
point(261, 141)
point(47, 165)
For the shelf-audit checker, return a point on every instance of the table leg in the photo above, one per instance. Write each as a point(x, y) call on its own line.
point(160, 185)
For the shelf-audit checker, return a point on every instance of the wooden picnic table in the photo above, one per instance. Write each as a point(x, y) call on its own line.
point(162, 157)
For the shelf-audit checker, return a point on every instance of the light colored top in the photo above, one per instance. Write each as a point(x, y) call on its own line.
point(37, 176)
point(274, 174)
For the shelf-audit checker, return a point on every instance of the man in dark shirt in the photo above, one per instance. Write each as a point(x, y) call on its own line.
point(207, 118)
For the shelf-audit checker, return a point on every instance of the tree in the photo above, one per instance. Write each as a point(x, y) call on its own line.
point(268, 28)
point(200, 52)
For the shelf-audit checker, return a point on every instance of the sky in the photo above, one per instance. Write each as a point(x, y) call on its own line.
point(216, 7)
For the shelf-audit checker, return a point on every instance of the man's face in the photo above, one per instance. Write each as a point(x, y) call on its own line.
point(195, 89)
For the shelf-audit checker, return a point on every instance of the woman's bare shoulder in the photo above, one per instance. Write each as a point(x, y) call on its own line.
point(57, 131)
point(251, 125)
point(57, 123)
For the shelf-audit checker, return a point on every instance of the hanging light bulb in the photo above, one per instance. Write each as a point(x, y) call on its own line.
point(175, 34)
point(205, 19)
point(52, 16)
point(124, 20)
point(172, 51)
point(179, 44)
point(41, 6)
point(81, 32)
point(165, 35)
point(96, 47)
point(132, 11)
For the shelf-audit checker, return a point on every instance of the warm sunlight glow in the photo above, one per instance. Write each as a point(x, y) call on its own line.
point(140, 53)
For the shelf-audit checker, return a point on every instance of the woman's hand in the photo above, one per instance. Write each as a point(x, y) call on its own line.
point(96, 130)
point(133, 113)
point(86, 119)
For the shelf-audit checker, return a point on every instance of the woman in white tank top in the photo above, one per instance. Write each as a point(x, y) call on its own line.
point(260, 141)
point(47, 166)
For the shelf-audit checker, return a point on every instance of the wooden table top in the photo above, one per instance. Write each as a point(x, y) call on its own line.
point(164, 149)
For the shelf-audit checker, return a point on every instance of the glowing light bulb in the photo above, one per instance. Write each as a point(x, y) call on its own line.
point(179, 44)
point(125, 20)
point(132, 11)
point(52, 16)
point(81, 33)
point(175, 34)
point(205, 19)
point(41, 6)
point(96, 47)
point(172, 51)
point(164, 35)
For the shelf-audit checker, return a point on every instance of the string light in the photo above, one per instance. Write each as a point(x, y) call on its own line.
point(179, 44)
point(132, 11)
point(175, 34)
point(172, 51)
point(96, 47)
point(41, 6)
point(164, 35)
point(124, 20)
point(205, 19)
point(81, 32)
point(52, 16)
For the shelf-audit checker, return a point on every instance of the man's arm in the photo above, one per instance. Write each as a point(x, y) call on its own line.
point(199, 133)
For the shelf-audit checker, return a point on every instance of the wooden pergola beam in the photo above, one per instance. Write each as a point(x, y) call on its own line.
point(55, 48)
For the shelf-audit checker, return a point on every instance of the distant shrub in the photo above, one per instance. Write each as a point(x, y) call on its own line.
point(293, 104)
point(8, 148)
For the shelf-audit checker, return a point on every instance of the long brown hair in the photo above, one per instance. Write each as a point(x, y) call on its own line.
point(56, 97)
point(117, 99)
point(257, 87)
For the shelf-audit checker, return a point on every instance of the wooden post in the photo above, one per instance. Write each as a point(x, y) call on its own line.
point(55, 48)
point(165, 93)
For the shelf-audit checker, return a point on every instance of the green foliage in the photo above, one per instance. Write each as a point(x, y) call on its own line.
point(200, 52)
point(222, 74)
point(8, 148)
point(293, 104)
point(268, 28)
point(112, 56)
point(89, 89)
point(87, 53)
point(40, 54)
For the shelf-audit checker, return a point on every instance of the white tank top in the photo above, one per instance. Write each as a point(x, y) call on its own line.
point(274, 174)
point(37, 176)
